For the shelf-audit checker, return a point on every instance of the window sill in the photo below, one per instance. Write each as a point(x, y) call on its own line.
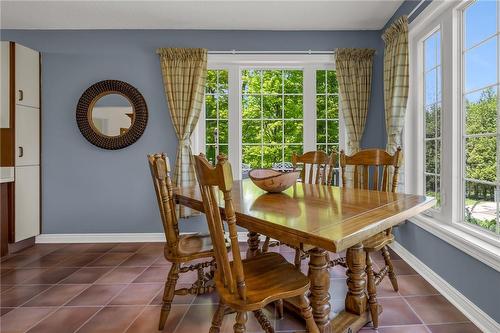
point(487, 253)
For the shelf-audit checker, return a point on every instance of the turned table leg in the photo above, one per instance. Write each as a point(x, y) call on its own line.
point(253, 244)
point(319, 291)
point(355, 301)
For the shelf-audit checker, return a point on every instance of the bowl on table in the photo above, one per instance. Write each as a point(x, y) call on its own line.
point(273, 181)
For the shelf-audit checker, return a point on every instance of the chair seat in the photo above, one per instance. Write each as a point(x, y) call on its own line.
point(194, 246)
point(269, 277)
point(378, 241)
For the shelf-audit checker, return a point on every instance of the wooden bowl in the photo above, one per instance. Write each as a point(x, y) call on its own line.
point(273, 181)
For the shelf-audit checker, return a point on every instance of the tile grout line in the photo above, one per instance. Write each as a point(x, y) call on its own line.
point(143, 309)
point(50, 313)
point(184, 315)
point(53, 286)
point(416, 314)
point(116, 295)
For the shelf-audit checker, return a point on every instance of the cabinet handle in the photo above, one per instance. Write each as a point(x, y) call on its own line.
point(21, 151)
point(21, 95)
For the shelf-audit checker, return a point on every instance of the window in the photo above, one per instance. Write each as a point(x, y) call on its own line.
point(327, 111)
point(432, 115)
point(262, 108)
point(272, 117)
point(481, 115)
point(216, 114)
point(452, 131)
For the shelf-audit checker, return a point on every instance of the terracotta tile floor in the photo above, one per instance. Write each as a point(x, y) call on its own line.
point(112, 288)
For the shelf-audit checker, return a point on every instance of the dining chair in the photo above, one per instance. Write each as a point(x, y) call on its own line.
point(317, 167)
point(179, 249)
point(244, 285)
point(377, 170)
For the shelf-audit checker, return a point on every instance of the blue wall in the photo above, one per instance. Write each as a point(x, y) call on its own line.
point(477, 281)
point(90, 190)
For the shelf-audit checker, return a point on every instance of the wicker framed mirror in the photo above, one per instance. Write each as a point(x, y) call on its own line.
point(112, 114)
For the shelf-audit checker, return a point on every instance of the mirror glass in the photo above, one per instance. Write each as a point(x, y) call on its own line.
point(112, 115)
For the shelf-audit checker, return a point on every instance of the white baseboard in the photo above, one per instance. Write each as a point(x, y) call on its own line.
point(111, 238)
point(100, 238)
point(480, 318)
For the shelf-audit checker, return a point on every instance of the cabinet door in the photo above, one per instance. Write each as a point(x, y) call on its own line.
point(27, 202)
point(27, 76)
point(27, 136)
point(4, 85)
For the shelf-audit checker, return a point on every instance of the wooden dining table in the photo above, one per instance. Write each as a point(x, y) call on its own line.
point(318, 219)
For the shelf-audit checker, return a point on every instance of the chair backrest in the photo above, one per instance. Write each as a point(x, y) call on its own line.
point(212, 179)
point(160, 172)
point(368, 165)
point(317, 167)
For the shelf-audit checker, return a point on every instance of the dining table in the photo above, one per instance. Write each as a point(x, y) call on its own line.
point(319, 219)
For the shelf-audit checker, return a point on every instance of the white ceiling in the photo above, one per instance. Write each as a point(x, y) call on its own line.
point(207, 14)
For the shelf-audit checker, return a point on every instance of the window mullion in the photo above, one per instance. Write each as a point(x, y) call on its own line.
point(234, 121)
point(309, 108)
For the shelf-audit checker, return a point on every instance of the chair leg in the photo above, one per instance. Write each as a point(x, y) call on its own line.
point(217, 318)
point(168, 294)
point(265, 246)
point(279, 308)
point(372, 291)
point(388, 263)
point(263, 321)
point(297, 260)
point(306, 312)
point(241, 319)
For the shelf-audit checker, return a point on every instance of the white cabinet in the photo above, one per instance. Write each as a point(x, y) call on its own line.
point(27, 70)
point(27, 202)
point(27, 136)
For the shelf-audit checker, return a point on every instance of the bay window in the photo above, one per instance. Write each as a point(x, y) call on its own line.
point(432, 115)
point(480, 115)
point(452, 131)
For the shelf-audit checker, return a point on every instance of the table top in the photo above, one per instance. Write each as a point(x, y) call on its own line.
point(323, 216)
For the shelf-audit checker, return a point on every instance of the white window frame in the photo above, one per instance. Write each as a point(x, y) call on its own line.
point(421, 107)
point(234, 63)
point(446, 223)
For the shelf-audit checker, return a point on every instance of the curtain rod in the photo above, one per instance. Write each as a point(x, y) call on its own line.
point(271, 52)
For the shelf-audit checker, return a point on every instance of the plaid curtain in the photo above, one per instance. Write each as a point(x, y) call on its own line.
point(184, 74)
point(396, 78)
point(354, 74)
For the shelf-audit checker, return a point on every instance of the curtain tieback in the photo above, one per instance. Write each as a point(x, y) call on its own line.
point(353, 146)
point(185, 143)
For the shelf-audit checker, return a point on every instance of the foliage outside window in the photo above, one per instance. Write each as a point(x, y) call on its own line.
point(327, 111)
point(216, 114)
point(272, 116)
point(432, 116)
point(481, 114)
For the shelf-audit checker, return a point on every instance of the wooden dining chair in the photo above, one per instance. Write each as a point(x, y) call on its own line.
point(244, 285)
point(377, 170)
point(317, 167)
point(179, 249)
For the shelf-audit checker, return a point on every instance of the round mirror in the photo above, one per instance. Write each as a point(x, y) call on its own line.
point(112, 115)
